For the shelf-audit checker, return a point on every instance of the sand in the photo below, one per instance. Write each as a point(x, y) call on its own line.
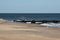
point(22, 31)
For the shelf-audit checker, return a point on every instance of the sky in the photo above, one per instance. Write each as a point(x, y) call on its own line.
point(29, 6)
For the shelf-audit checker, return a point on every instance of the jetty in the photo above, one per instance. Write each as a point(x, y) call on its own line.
point(41, 21)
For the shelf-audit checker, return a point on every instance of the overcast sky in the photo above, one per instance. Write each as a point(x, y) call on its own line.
point(29, 6)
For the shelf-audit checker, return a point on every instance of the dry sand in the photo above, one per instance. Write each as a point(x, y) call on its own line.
point(21, 31)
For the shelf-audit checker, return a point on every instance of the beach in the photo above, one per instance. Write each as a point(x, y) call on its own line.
point(22, 31)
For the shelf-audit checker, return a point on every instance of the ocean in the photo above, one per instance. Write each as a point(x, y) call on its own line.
point(30, 16)
point(33, 16)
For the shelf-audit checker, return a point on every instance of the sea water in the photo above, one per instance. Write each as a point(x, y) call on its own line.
point(32, 16)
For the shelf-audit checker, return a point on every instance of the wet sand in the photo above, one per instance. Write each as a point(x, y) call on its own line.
point(21, 31)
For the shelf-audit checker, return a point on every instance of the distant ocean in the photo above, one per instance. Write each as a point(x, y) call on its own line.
point(30, 16)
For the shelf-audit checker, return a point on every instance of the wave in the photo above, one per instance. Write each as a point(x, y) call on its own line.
point(1, 19)
point(51, 25)
point(4, 20)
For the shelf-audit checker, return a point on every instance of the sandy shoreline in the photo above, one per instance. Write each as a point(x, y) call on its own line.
point(21, 31)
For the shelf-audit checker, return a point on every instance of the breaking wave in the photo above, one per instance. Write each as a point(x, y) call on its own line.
point(51, 25)
point(1, 19)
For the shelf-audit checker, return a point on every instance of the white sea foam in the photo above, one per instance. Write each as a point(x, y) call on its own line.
point(28, 22)
point(2, 19)
point(53, 25)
